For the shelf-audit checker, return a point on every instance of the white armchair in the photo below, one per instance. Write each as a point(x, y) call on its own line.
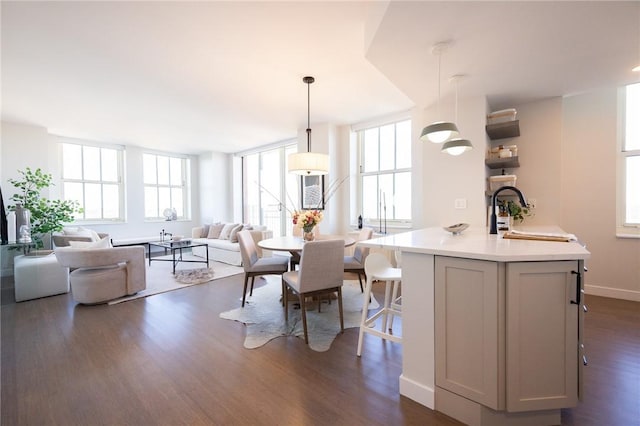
point(103, 274)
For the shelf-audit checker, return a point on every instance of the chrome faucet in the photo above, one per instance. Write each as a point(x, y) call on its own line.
point(494, 199)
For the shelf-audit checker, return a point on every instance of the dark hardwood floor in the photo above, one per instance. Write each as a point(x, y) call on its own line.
point(170, 360)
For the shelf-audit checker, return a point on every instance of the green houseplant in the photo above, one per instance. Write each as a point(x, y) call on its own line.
point(47, 216)
point(515, 210)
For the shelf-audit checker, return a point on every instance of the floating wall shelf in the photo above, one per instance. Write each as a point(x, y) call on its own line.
point(508, 129)
point(502, 163)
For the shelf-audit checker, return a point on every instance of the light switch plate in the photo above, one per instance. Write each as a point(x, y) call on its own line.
point(460, 203)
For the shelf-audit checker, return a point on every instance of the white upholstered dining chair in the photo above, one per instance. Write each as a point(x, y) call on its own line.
point(320, 273)
point(355, 263)
point(254, 265)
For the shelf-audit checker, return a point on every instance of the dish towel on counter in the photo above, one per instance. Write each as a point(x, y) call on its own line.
point(541, 236)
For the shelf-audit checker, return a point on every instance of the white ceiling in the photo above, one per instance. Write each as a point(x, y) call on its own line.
point(227, 76)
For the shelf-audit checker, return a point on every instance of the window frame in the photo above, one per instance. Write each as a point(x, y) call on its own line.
point(624, 229)
point(81, 217)
point(287, 200)
point(185, 186)
point(380, 222)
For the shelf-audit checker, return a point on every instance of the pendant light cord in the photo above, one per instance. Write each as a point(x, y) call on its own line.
point(308, 81)
point(456, 79)
point(456, 116)
point(438, 106)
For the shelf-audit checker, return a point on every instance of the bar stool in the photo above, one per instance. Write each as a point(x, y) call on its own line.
point(396, 301)
point(378, 268)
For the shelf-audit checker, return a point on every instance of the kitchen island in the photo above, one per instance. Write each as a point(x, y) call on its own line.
point(492, 327)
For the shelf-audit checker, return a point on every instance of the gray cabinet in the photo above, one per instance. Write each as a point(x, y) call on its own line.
point(469, 312)
point(542, 335)
point(507, 334)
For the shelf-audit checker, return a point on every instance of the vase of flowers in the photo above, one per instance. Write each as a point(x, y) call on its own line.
point(307, 220)
point(308, 235)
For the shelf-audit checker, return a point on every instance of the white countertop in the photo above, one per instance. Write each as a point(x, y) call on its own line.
point(477, 243)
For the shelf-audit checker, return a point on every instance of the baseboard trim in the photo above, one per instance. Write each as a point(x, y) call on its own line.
point(615, 293)
point(418, 392)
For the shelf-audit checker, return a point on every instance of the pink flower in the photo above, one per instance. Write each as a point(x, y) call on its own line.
point(307, 218)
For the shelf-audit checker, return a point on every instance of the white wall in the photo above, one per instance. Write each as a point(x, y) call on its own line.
point(26, 146)
point(216, 188)
point(29, 146)
point(445, 178)
point(588, 175)
point(540, 156)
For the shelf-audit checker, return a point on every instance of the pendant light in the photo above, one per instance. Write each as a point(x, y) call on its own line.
point(456, 146)
point(439, 131)
point(308, 163)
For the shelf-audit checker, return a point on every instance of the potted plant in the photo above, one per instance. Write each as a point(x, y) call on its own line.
point(515, 210)
point(47, 216)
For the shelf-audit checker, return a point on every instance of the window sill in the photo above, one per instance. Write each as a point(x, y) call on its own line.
point(99, 222)
point(166, 221)
point(625, 236)
point(628, 232)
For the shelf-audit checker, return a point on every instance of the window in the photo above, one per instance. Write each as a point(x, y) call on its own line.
point(92, 175)
point(385, 173)
point(166, 186)
point(270, 194)
point(631, 157)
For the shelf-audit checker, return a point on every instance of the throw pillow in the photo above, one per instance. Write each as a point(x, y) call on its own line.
point(76, 231)
point(103, 243)
point(215, 230)
point(95, 236)
point(226, 231)
point(205, 230)
point(70, 230)
point(79, 231)
point(233, 236)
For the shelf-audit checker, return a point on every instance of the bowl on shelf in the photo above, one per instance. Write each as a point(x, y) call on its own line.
point(457, 228)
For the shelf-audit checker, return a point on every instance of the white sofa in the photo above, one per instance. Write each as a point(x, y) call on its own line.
point(224, 249)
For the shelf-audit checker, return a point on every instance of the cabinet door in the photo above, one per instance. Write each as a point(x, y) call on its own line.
point(467, 307)
point(542, 335)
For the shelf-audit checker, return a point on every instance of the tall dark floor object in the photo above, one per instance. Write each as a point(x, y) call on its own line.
point(4, 230)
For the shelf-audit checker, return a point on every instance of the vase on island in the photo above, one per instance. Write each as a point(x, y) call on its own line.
point(307, 233)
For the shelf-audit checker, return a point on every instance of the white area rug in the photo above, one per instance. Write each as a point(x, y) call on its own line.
point(263, 315)
point(160, 278)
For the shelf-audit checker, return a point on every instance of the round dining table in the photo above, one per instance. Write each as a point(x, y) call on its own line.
point(295, 244)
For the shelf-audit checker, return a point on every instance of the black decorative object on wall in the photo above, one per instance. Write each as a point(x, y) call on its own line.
point(4, 229)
